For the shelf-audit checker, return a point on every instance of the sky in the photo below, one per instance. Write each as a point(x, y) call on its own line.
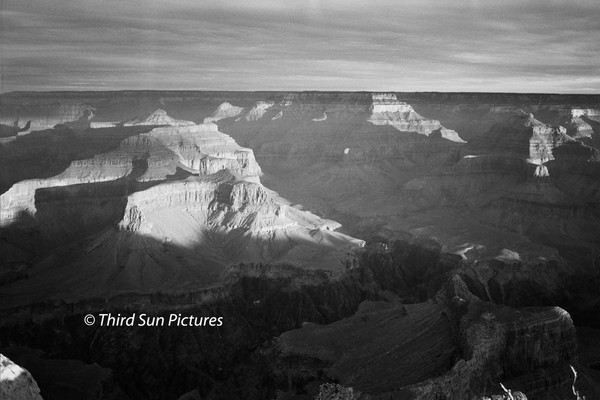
point(534, 46)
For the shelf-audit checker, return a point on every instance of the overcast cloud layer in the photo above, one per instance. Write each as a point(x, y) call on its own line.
point(436, 45)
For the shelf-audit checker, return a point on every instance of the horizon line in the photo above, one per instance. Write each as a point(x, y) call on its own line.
point(292, 91)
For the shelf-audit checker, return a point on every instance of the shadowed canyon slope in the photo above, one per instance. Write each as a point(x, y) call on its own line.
point(168, 208)
point(472, 206)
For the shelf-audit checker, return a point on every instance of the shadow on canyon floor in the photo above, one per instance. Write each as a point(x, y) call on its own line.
point(258, 302)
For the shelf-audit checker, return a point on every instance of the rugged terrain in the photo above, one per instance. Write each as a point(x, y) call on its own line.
point(472, 206)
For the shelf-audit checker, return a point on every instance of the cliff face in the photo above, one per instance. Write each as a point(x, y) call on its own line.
point(200, 149)
point(525, 183)
point(582, 120)
point(387, 110)
point(449, 348)
point(184, 188)
point(130, 193)
point(47, 114)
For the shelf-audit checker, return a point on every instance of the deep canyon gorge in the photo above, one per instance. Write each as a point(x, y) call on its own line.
point(407, 245)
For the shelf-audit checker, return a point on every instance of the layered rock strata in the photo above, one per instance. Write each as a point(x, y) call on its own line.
point(450, 347)
point(387, 110)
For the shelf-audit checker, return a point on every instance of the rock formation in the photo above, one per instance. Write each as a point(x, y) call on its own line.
point(158, 117)
point(258, 110)
point(151, 186)
point(127, 200)
point(387, 110)
point(449, 347)
point(225, 110)
point(544, 139)
point(46, 114)
point(7, 131)
point(16, 383)
point(583, 128)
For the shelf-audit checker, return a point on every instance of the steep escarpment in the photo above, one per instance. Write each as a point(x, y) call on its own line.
point(451, 347)
point(583, 121)
point(459, 344)
point(168, 203)
point(331, 148)
point(199, 149)
point(387, 110)
point(256, 301)
point(144, 213)
point(377, 177)
point(47, 114)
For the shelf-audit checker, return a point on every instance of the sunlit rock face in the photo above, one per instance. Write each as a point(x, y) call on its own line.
point(387, 110)
point(132, 195)
point(582, 120)
point(258, 110)
point(158, 117)
point(225, 110)
point(199, 149)
point(16, 383)
point(179, 184)
point(545, 138)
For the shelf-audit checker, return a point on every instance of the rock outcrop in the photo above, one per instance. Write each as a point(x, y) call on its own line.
point(450, 347)
point(16, 383)
point(151, 211)
point(7, 131)
point(188, 188)
point(158, 117)
point(544, 140)
point(200, 149)
point(47, 114)
point(258, 110)
point(387, 110)
point(583, 128)
point(225, 110)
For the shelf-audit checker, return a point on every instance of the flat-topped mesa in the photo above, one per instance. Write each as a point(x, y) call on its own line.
point(204, 150)
point(387, 110)
point(544, 139)
point(591, 113)
point(208, 199)
point(251, 224)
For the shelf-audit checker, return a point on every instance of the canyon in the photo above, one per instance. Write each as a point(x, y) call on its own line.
point(407, 245)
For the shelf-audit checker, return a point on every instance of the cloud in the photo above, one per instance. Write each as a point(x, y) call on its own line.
point(535, 46)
